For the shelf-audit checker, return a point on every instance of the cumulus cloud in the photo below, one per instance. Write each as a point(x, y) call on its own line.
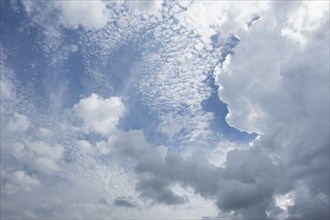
point(98, 114)
point(279, 100)
point(87, 14)
point(267, 82)
point(47, 156)
point(211, 17)
point(144, 6)
point(18, 180)
point(36, 154)
point(18, 123)
point(305, 20)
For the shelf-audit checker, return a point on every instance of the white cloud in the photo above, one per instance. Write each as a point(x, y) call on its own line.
point(18, 123)
point(45, 150)
point(5, 90)
point(284, 201)
point(16, 149)
point(88, 14)
point(305, 20)
point(47, 165)
point(27, 148)
point(44, 133)
point(28, 6)
point(36, 154)
point(210, 17)
point(254, 86)
point(272, 86)
point(85, 146)
point(98, 114)
point(140, 7)
point(18, 180)
point(26, 180)
point(7, 82)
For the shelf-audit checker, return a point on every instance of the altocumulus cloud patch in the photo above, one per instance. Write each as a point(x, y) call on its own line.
point(109, 109)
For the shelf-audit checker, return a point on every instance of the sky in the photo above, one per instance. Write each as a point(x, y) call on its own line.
point(164, 109)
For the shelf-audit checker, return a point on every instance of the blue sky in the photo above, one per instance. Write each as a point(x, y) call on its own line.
point(164, 109)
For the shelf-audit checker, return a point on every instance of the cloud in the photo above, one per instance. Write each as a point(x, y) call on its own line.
point(35, 154)
point(305, 20)
point(18, 180)
point(18, 123)
point(271, 87)
point(272, 82)
point(171, 126)
point(123, 202)
point(98, 114)
point(87, 14)
point(159, 192)
point(209, 18)
point(5, 90)
point(244, 185)
point(140, 7)
point(132, 144)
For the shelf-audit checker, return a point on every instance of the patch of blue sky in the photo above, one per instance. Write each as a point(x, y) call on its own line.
point(22, 43)
point(78, 83)
point(121, 69)
point(20, 46)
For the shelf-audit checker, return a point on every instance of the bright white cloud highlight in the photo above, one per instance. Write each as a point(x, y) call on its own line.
point(98, 114)
point(88, 14)
point(226, 17)
point(140, 7)
point(284, 201)
point(305, 20)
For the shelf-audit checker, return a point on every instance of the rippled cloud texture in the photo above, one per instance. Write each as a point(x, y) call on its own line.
point(164, 109)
